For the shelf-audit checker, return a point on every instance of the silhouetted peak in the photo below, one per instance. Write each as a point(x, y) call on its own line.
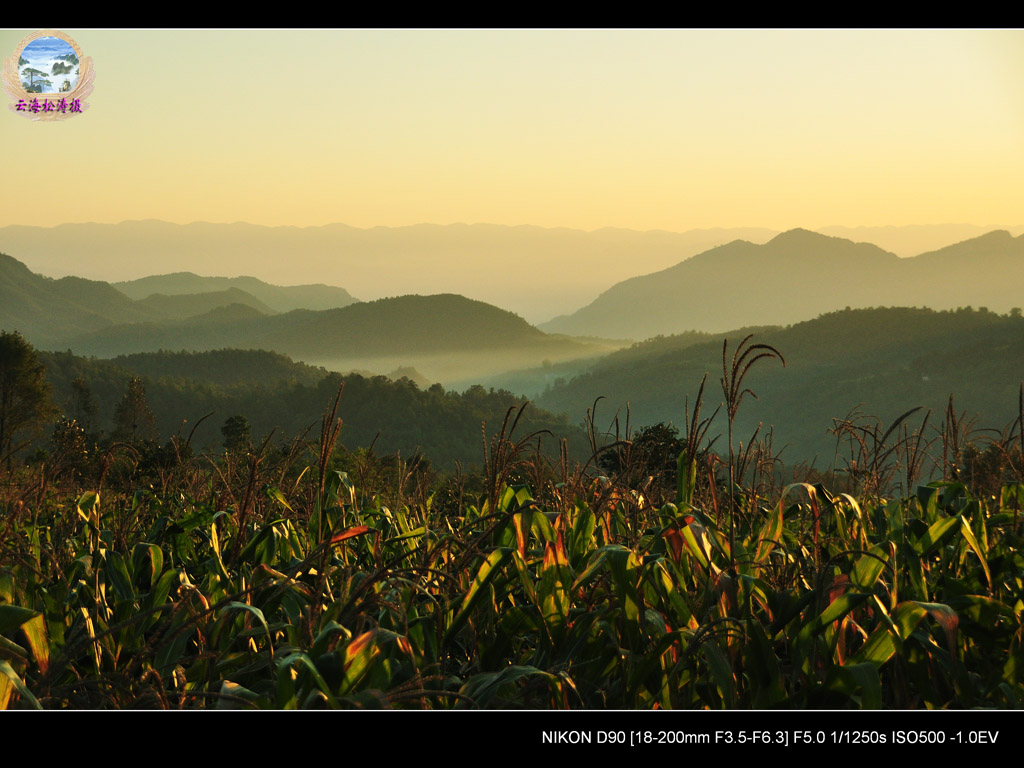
point(994, 243)
point(995, 237)
point(800, 236)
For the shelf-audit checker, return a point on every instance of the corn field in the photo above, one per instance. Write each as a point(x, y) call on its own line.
point(241, 582)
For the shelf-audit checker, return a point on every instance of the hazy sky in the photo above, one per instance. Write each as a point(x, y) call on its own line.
point(657, 129)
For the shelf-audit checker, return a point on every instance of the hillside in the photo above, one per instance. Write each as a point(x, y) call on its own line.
point(526, 269)
point(796, 275)
point(277, 395)
point(387, 326)
point(183, 306)
point(277, 298)
point(47, 311)
point(53, 313)
point(880, 362)
point(448, 338)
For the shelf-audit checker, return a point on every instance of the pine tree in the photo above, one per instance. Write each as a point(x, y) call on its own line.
point(237, 433)
point(133, 420)
point(24, 393)
point(83, 409)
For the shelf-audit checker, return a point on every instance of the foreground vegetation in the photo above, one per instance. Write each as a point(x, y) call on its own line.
point(292, 586)
point(659, 574)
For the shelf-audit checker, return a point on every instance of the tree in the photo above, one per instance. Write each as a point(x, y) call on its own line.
point(31, 86)
point(83, 408)
point(133, 420)
point(24, 392)
point(237, 433)
point(652, 452)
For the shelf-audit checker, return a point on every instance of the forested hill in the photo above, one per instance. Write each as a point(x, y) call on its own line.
point(276, 395)
point(47, 310)
point(878, 362)
point(448, 337)
point(278, 298)
point(253, 369)
point(402, 324)
point(185, 305)
point(52, 313)
point(406, 324)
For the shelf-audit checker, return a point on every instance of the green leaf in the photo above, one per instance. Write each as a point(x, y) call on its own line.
point(284, 668)
point(158, 594)
point(257, 541)
point(10, 674)
point(413, 534)
point(483, 687)
point(597, 560)
point(686, 480)
point(768, 538)
point(11, 650)
point(838, 608)
point(275, 495)
point(360, 655)
point(35, 632)
point(117, 573)
point(699, 549)
point(169, 652)
point(87, 502)
point(850, 678)
point(721, 672)
point(624, 568)
point(234, 690)
point(488, 570)
point(237, 606)
point(983, 611)
point(582, 535)
point(201, 518)
point(151, 552)
point(972, 542)
point(870, 566)
point(935, 534)
point(13, 616)
point(324, 636)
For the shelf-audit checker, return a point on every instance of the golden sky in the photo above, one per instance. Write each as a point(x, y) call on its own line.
point(645, 129)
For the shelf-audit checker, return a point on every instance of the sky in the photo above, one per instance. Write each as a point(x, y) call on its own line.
point(641, 129)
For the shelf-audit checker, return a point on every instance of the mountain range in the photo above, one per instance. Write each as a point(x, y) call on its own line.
point(55, 311)
point(887, 360)
point(536, 272)
point(268, 298)
point(798, 275)
point(447, 337)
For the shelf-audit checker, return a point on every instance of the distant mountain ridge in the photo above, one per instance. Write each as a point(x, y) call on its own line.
point(275, 298)
point(533, 271)
point(913, 239)
point(445, 337)
point(537, 272)
point(184, 305)
point(46, 310)
point(52, 312)
point(405, 325)
point(797, 275)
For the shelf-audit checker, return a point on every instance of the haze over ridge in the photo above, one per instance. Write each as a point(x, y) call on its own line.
point(796, 276)
point(537, 272)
